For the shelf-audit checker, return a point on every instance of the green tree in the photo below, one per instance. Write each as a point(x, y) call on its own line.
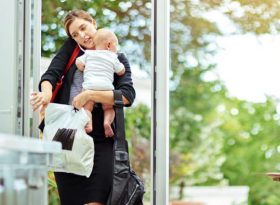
point(251, 147)
point(195, 102)
point(129, 19)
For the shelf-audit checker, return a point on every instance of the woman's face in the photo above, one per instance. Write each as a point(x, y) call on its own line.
point(82, 32)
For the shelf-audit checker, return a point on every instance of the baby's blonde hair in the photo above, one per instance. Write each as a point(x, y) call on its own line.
point(103, 36)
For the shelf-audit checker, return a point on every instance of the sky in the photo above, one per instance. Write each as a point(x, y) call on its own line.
point(250, 66)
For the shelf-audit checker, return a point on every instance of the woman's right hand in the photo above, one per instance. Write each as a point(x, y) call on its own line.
point(38, 99)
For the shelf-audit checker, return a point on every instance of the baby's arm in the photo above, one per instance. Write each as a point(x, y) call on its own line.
point(119, 67)
point(80, 65)
point(80, 62)
point(121, 72)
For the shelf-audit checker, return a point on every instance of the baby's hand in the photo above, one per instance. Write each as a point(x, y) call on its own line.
point(122, 72)
point(80, 100)
point(80, 65)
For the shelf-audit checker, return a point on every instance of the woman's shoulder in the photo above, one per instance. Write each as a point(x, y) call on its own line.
point(69, 44)
point(70, 41)
point(121, 56)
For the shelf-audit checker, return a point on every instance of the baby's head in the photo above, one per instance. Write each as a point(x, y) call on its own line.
point(105, 39)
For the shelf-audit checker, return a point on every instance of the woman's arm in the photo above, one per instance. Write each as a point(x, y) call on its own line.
point(52, 75)
point(106, 97)
point(123, 83)
point(43, 97)
point(58, 63)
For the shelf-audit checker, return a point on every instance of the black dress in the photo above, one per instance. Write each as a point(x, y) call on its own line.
point(74, 189)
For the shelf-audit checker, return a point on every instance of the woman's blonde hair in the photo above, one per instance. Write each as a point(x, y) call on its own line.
point(72, 15)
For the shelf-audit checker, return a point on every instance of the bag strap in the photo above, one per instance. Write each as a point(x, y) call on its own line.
point(120, 141)
point(67, 68)
point(71, 60)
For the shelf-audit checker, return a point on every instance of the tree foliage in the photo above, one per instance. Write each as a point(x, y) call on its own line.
point(129, 19)
point(195, 102)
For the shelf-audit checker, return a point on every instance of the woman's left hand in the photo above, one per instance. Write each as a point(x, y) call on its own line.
point(80, 100)
point(38, 99)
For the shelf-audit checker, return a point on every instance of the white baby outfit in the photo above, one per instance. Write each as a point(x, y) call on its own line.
point(100, 66)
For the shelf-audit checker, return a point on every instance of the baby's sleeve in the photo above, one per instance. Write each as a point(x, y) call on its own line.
point(118, 66)
point(82, 58)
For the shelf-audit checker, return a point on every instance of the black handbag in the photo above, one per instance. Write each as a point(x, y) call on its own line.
point(127, 187)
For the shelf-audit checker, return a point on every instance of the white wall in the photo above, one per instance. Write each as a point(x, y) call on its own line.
point(8, 64)
point(213, 195)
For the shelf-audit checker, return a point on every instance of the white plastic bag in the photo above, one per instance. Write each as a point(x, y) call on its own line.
point(77, 147)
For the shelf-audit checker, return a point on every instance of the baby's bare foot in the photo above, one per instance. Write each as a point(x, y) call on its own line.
point(88, 127)
point(108, 130)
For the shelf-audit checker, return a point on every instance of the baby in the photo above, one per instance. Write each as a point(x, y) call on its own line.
point(99, 66)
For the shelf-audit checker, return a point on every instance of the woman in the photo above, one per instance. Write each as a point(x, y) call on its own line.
point(74, 189)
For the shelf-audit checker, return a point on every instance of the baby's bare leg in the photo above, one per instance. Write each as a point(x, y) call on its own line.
point(109, 116)
point(88, 108)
